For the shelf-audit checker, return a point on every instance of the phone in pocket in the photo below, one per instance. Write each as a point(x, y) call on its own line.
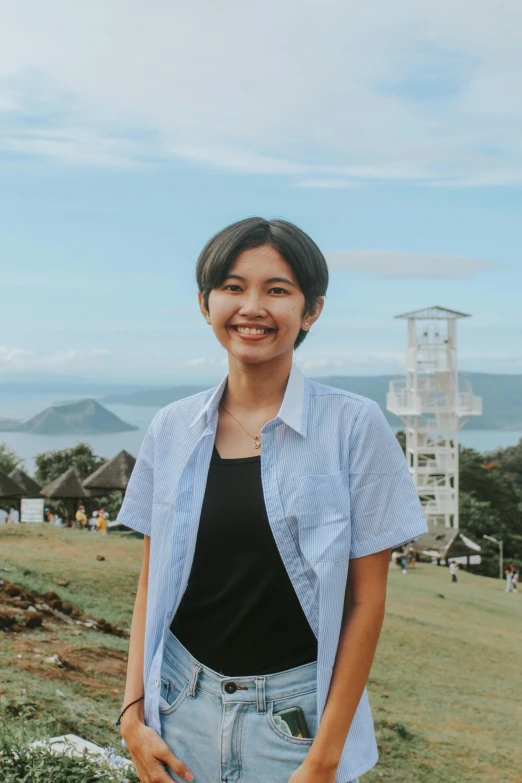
point(292, 721)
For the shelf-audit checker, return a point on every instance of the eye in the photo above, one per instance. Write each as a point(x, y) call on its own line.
point(231, 286)
point(279, 290)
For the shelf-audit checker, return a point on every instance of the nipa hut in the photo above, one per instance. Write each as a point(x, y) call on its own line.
point(443, 543)
point(113, 475)
point(67, 487)
point(9, 489)
point(29, 486)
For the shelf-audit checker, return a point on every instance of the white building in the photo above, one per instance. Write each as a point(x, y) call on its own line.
point(433, 407)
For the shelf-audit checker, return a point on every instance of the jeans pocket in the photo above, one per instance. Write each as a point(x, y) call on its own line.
point(308, 703)
point(174, 688)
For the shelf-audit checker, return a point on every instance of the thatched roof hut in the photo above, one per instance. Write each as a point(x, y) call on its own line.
point(113, 475)
point(9, 488)
point(445, 542)
point(68, 485)
point(30, 488)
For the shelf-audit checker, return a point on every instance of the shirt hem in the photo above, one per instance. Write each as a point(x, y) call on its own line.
point(390, 541)
point(137, 525)
point(360, 771)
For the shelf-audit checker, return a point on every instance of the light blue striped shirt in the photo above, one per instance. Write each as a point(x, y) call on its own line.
point(336, 487)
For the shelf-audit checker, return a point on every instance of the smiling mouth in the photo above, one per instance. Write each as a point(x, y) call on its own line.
point(249, 330)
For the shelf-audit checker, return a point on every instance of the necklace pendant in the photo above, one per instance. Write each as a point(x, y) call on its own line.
point(257, 443)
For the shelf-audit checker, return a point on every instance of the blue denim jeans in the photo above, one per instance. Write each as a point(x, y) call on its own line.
point(223, 727)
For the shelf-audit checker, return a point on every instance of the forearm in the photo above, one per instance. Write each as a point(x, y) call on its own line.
point(134, 687)
point(356, 649)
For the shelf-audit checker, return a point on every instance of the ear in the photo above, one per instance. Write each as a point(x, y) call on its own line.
point(202, 307)
point(311, 318)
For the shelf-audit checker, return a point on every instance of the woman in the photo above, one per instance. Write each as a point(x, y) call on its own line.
point(269, 507)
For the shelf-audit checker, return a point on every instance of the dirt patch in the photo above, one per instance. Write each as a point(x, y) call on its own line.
point(93, 668)
point(111, 663)
point(22, 609)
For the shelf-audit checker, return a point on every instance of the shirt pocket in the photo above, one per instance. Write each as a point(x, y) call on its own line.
point(323, 512)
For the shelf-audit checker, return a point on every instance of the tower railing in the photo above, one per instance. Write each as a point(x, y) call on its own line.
point(403, 402)
point(468, 404)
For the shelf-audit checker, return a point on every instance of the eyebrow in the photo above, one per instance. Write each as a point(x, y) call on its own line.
point(270, 279)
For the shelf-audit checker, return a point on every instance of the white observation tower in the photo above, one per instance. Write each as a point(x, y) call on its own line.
point(433, 407)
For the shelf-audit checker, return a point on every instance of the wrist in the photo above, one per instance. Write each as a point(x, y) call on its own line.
point(132, 719)
point(321, 762)
point(129, 726)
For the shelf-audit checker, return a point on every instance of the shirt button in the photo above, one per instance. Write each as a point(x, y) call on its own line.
point(231, 687)
point(156, 682)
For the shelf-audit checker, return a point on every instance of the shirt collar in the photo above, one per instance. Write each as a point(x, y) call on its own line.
point(293, 410)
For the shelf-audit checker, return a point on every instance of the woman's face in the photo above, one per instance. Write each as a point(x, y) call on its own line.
point(257, 312)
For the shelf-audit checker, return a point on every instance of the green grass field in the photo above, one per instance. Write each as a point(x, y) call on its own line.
point(445, 687)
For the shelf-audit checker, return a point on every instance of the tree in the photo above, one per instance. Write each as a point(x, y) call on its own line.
point(9, 459)
point(51, 464)
point(488, 482)
point(510, 460)
point(401, 437)
point(490, 502)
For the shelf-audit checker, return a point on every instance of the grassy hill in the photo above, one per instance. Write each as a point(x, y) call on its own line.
point(444, 689)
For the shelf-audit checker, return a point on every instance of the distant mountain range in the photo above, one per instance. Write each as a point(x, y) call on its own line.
point(501, 396)
point(154, 398)
point(86, 417)
point(66, 387)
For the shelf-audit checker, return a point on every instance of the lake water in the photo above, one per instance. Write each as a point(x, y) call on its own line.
point(28, 445)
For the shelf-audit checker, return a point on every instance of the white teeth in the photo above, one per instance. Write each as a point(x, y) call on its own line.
point(248, 330)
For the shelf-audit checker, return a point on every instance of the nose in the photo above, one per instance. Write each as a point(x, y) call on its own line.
point(252, 305)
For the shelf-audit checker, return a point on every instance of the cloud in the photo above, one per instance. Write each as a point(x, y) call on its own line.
point(80, 146)
point(12, 356)
point(400, 90)
point(56, 282)
point(22, 359)
point(66, 357)
point(200, 360)
point(351, 361)
point(327, 184)
point(391, 264)
point(347, 361)
point(207, 361)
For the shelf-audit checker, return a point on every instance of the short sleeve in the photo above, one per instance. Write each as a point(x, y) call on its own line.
point(385, 507)
point(136, 509)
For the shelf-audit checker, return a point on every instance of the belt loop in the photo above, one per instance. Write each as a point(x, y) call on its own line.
point(260, 694)
point(193, 680)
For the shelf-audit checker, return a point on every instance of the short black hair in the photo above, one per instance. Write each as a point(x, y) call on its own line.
point(298, 250)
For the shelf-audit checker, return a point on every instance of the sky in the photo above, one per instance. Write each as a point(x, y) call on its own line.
point(130, 132)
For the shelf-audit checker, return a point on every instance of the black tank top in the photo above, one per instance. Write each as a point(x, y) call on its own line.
point(240, 614)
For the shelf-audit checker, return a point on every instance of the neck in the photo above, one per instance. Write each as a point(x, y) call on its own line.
point(257, 386)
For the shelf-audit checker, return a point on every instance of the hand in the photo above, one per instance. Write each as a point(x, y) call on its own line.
point(151, 754)
point(310, 772)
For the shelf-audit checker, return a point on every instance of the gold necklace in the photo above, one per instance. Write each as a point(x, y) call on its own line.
point(257, 438)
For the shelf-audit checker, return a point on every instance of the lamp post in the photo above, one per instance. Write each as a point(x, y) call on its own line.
point(501, 552)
